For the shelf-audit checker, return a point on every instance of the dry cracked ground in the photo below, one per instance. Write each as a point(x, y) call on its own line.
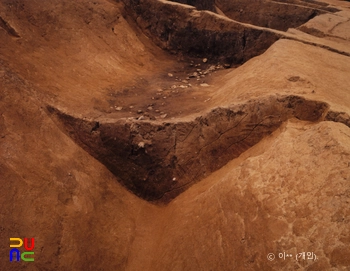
point(175, 135)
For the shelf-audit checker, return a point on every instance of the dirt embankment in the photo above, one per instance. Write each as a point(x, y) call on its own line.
point(182, 29)
point(279, 15)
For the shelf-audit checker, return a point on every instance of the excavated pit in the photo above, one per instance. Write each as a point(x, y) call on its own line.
point(184, 30)
point(226, 31)
point(121, 138)
point(159, 160)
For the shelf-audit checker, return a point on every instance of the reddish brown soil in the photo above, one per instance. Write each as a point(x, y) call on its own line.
point(93, 98)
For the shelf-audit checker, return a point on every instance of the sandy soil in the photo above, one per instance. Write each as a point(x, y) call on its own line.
point(288, 193)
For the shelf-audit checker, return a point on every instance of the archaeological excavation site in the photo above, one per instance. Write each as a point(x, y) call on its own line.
point(174, 135)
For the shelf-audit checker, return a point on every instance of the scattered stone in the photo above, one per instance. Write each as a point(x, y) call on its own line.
point(184, 81)
point(204, 85)
point(163, 116)
point(212, 68)
point(294, 78)
point(173, 86)
point(157, 111)
point(202, 75)
point(205, 60)
point(119, 108)
point(141, 145)
point(164, 97)
point(182, 86)
point(139, 111)
point(150, 108)
point(226, 66)
point(131, 106)
point(195, 74)
point(170, 75)
point(141, 118)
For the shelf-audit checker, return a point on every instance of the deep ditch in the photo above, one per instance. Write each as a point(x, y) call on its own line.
point(225, 37)
point(158, 160)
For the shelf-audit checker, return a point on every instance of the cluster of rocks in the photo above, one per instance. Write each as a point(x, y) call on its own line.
point(199, 74)
point(150, 113)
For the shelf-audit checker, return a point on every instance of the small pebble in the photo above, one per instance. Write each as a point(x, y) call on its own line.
point(141, 145)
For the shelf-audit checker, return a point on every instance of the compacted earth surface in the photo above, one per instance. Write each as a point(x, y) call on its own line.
point(175, 135)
